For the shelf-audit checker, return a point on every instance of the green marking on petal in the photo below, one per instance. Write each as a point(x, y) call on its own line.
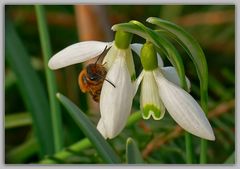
point(133, 77)
point(151, 109)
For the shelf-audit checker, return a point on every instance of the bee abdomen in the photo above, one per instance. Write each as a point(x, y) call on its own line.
point(96, 95)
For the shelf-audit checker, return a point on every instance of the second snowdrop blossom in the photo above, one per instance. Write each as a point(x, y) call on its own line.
point(116, 99)
point(160, 89)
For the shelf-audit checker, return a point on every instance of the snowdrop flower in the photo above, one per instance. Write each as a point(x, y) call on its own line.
point(160, 89)
point(115, 102)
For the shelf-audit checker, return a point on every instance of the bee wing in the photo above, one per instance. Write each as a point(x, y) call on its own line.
point(77, 53)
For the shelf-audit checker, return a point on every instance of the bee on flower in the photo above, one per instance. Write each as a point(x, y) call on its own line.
point(160, 86)
point(116, 93)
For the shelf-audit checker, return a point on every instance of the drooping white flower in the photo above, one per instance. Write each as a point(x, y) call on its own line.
point(115, 101)
point(161, 89)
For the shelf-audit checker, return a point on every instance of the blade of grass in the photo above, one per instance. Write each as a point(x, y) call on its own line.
point(17, 120)
point(31, 88)
point(230, 159)
point(51, 81)
point(84, 143)
point(133, 156)
point(24, 151)
point(103, 148)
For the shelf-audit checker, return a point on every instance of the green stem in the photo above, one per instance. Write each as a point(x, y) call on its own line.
point(188, 143)
point(203, 153)
point(23, 152)
point(204, 101)
point(65, 153)
point(83, 144)
point(51, 81)
point(17, 120)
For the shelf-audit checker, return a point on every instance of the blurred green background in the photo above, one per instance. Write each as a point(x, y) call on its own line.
point(160, 142)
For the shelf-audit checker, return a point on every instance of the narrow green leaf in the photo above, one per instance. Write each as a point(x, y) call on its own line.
point(17, 120)
point(23, 152)
point(101, 145)
point(67, 152)
point(51, 80)
point(194, 50)
point(31, 88)
point(133, 155)
point(230, 159)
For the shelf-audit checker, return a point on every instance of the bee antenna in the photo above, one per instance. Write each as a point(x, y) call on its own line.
point(99, 56)
point(110, 83)
point(107, 81)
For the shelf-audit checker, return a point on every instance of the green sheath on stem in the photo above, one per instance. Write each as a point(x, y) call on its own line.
point(123, 39)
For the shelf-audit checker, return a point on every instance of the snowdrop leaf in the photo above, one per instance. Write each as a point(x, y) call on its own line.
point(183, 108)
point(103, 148)
point(129, 27)
point(77, 53)
point(133, 154)
point(192, 47)
point(116, 102)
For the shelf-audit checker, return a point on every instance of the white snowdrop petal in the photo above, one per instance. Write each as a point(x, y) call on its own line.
point(170, 74)
point(101, 128)
point(183, 108)
point(150, 102)
point(130, 63)
point(114, 53)
point(110, 57)
point(116, 102)
point(76, 53)
point(136, 47)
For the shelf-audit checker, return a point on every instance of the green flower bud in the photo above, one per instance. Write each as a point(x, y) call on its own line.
point(149, 57)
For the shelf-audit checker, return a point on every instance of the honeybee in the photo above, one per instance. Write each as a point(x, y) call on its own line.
point(91, 78)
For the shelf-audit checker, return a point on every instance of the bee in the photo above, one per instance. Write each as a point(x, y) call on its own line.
point(91, 78)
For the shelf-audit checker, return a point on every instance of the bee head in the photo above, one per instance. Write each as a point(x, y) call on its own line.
point(92, 72)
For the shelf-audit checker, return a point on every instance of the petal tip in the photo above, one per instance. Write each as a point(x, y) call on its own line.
point(101, 129)
point(210, 136)
point(51, 64)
